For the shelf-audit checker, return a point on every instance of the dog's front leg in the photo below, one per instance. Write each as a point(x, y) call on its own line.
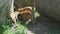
point(12, 15)
point(14, 19)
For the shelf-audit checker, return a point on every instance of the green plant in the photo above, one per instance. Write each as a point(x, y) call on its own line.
point(20, 29)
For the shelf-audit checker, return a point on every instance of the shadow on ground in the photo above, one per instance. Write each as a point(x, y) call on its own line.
point(45, 26)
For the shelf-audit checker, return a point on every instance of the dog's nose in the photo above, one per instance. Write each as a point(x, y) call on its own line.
point(22, 19)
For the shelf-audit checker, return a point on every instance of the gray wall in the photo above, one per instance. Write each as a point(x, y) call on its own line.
point(5, 6)
point(49, 8)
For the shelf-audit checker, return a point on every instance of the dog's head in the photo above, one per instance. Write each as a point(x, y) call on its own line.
point(25, 13)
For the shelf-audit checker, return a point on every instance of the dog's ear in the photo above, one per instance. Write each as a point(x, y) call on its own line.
point(20, 9)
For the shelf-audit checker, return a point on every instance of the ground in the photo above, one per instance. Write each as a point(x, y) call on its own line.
point(45, 26)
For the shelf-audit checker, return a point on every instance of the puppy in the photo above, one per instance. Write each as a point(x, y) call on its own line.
point(27, 13)
point(24, 13)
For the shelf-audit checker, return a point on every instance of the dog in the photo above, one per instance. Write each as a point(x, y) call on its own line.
point(26, 14)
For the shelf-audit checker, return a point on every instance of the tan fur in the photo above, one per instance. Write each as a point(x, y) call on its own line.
point(14, 16)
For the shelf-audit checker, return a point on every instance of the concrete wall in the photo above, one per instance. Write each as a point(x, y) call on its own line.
point(5, 6)
point(49, 8)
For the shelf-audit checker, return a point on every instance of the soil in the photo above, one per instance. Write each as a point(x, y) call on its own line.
point(45, 26)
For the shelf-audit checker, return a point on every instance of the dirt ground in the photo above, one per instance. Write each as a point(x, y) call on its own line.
point(45, 26)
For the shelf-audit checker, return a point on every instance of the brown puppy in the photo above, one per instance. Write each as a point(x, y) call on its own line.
point(27, 13)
